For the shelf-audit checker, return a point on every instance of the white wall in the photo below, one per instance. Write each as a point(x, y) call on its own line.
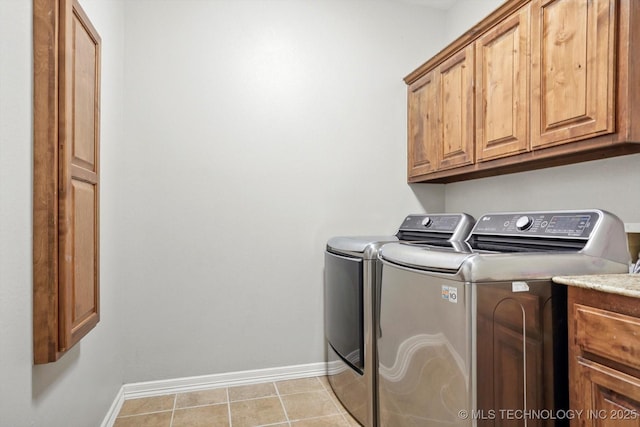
point(605, 184)
point(464, 14)
point(78, 389)
point(255, 131)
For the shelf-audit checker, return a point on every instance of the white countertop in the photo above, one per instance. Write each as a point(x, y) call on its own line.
point(621, 284)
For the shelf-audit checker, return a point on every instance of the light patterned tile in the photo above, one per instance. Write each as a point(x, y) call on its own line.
point(158, 419)
point(309, 402)
point(300, 385)
point(202, 416)
point(325, 382)
point(330, 421)
point(308, 405)
point(147, 405)
point(203, 397)
point(253, 391)
point(250, 413)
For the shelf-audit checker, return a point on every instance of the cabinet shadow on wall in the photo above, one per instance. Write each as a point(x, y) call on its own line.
point(44, 377)
point(430, 196)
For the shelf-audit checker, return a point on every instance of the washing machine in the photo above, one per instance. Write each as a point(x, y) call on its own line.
point(477, 335)
point(351, 274)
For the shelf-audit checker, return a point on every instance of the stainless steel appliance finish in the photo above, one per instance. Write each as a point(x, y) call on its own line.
point(476, 335)
point(351, 271)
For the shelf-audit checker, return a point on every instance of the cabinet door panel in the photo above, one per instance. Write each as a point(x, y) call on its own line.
point(423, 125)
point(456, 112)
point(502, 93)
point(79, 176)
point(573, 57)
point(611, 398)
point(83, 284)
point(84, 97)
point(608, 334)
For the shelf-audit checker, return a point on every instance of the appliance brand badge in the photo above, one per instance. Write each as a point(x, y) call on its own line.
point(450, 293)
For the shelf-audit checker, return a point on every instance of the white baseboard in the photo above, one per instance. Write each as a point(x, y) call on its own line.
point(204, 382)
point(114, 410)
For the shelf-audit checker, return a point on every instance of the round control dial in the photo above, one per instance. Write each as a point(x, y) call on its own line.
point(524, 223)
point(426, 221)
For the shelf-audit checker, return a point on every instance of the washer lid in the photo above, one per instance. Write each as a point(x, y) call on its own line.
point(360, 246)
point(425, 257)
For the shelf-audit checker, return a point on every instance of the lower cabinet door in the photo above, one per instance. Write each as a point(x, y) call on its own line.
point(605, 396)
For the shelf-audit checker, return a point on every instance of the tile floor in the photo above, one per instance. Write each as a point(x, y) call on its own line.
point(306, 402)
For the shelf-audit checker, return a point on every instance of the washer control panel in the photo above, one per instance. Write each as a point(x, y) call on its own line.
point(543, 224)
point(433, 222)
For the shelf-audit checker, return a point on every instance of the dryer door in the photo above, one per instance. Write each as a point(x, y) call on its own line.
point(343, 307)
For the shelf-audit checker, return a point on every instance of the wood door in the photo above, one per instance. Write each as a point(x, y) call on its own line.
point(456, 111)
point(573, 66)
point(423, 125)
point(79, 172)
point(609, 397)
point(66, 177)
point(502, 91)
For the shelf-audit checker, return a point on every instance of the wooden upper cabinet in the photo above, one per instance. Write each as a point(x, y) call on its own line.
point(440, 117)
point(502, 88)
point(423, 125)
point(537, 83)
point(455, 131)
point(66, 177)
point(573, 76)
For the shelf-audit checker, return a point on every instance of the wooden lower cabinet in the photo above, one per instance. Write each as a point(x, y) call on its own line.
point(604, 358)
